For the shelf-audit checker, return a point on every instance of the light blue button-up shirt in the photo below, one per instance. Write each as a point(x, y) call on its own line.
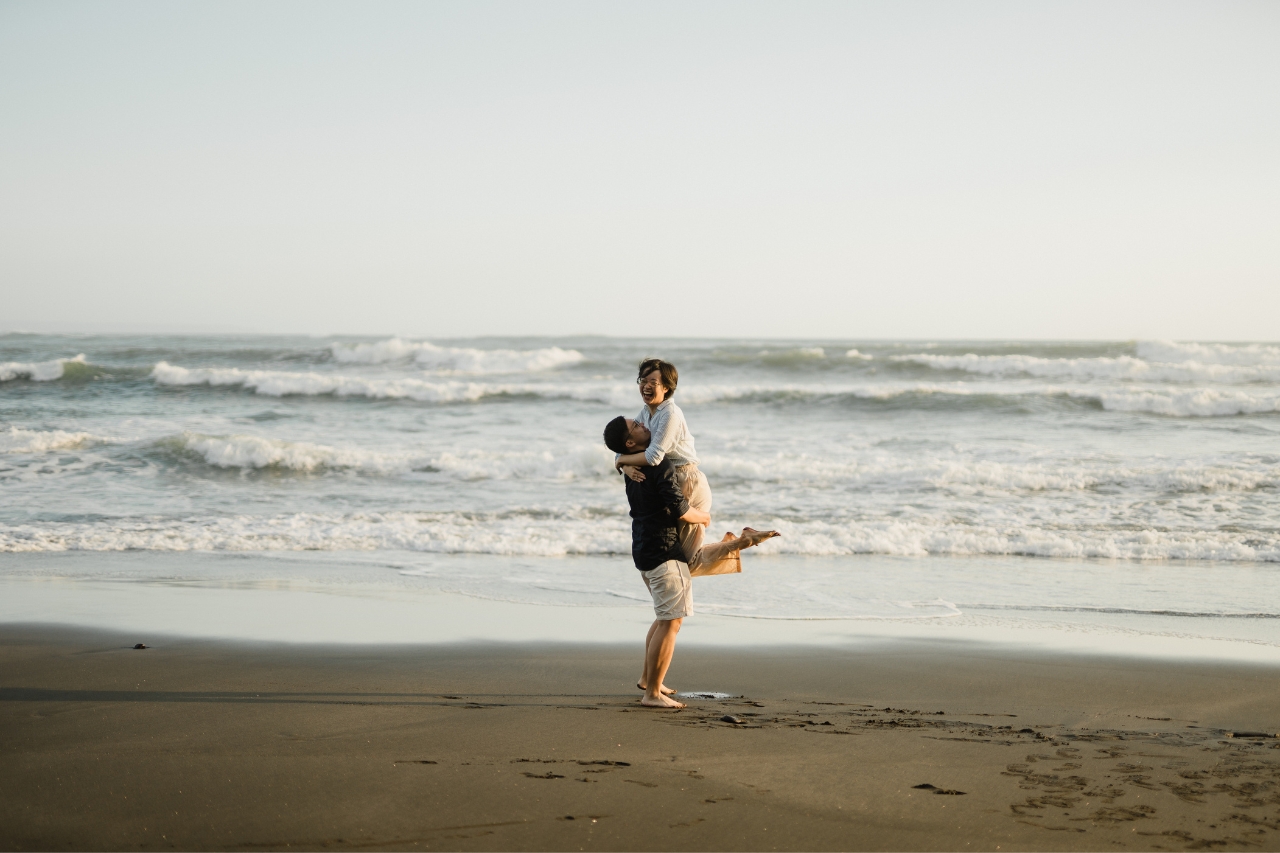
point(669, 435)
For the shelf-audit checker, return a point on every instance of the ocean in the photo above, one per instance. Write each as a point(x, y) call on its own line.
point(1128, 485)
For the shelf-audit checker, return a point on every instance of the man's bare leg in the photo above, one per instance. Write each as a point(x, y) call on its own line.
point(661, 647)
point(666, 691)
point(643, 683)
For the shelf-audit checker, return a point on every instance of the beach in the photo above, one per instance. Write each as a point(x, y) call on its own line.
point(204, 744)
point(1024, 597)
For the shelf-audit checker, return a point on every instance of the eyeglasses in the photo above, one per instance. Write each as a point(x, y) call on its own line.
point(648, 381)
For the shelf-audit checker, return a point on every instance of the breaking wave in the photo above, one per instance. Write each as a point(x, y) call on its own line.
point(868, 471)
point(456, 359)
point(44, 441)
point(1241, 354)
point(1202, 402)
point(249, 452)
point(40, 371)
point(287, 383)
point(913, 473)
point(1160, 401)
point(917, 539)
point(1197, 403)
point(1104, 368)
point(605, 531)
point(277, 383)
point(796, 357)
point(252, 452)
point(525, 533)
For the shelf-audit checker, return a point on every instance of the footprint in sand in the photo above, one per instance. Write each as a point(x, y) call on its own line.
point(948, 791)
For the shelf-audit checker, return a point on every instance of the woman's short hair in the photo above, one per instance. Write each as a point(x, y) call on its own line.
point(670, 376)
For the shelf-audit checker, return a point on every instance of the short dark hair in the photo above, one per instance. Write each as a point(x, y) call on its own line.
point(670, 376)
point(615, 435)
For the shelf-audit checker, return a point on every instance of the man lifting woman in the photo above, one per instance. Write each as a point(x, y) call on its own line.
point(670, 507)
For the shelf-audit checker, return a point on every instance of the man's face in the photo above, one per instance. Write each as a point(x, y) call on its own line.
point(637, 435)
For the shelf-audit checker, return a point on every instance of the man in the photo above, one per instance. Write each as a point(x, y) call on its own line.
point(657, 507)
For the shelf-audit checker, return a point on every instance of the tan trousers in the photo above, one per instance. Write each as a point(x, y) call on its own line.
point(714, 558)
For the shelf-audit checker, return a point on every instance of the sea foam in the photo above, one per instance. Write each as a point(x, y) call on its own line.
point(957, 474)
point(943, 471)
point(280, 383)
point(44, 441)
point(251, 452)
point(1174, 402)
point(586, 532)
point(248, 451)
point(1104, 368)
point(455, 359)
point(1200, 402)
point(1241, 354)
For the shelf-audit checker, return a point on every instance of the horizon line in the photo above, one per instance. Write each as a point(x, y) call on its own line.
point(223, 333)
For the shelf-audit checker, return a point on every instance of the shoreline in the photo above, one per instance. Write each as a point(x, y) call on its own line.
point(201, 744)
point(376, 598)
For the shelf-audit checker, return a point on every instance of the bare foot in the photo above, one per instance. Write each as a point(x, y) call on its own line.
point(660, 702)
point(666, 691)
point(755, 537)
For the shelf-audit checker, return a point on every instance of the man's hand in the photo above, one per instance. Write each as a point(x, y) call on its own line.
point(633, 473)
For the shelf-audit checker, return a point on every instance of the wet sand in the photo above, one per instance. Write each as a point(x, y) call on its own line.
point(218, 745)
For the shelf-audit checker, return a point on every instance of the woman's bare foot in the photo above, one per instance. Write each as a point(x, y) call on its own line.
point(660, 702)
point(664, 689)
point(755, 537)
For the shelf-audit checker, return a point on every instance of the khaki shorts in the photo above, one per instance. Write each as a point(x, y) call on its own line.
point(671, 588)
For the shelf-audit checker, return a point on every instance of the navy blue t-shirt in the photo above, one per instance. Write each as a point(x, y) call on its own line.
point(656, 507)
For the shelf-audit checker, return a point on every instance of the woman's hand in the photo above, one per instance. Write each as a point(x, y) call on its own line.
point(633, 473)
point(696, 516)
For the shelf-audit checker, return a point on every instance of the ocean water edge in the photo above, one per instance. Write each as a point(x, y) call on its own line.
point(1120, 490)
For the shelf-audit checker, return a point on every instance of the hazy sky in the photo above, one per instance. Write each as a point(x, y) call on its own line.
point(895, 169)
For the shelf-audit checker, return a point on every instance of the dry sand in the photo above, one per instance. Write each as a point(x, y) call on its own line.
point(205, 745)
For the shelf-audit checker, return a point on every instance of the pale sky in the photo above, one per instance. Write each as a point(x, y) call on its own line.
point(865, 170)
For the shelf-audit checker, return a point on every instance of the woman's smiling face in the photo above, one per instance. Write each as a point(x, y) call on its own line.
point(651, 388)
